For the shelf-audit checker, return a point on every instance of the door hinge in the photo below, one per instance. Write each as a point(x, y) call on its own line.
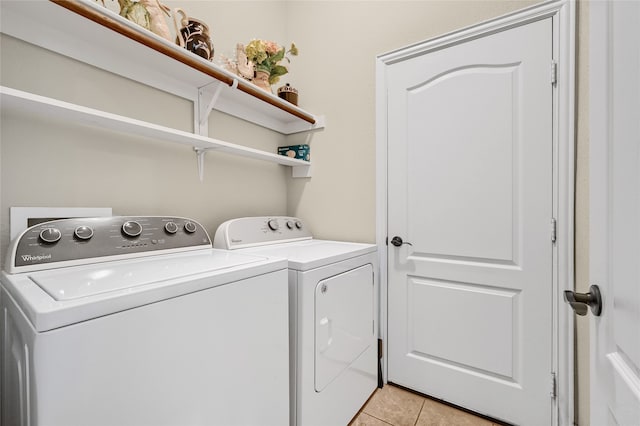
point(554, 386)
point(554, 73)
point(554, 228)
point(386, 241)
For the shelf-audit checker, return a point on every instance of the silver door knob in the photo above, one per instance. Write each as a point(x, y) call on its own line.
point(580, 301)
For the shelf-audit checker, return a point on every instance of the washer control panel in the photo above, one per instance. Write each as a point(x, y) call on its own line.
point(256, 231)
point(68, 240)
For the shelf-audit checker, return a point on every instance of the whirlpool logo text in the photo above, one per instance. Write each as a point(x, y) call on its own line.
point(35, 258)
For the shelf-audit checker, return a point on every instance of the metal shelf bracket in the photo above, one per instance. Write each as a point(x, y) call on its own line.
point(200, 154)
point(207, 97)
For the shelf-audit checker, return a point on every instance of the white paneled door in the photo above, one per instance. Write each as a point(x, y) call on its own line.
point(470, 192)
point(615, 210)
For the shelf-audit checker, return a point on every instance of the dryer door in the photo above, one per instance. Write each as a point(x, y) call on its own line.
point(344, 322)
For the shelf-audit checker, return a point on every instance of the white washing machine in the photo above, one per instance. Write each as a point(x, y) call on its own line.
point(333, 296)
point(139, 321)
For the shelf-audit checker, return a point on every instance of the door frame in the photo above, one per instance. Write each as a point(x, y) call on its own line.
point(562, 13)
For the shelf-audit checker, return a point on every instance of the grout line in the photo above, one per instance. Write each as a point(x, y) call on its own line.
point(420, 412)
point(377, 418)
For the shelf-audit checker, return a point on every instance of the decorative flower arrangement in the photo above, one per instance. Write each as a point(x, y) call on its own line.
point(267, 55)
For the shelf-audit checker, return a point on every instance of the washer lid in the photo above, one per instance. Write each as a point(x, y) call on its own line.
point(56, 298)
point(311, 254)
point(79, 282)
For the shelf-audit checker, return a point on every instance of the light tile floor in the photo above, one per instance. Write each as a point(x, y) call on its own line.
point(394, 406)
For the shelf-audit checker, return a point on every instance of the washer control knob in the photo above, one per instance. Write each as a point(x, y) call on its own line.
point(171, 227)
point(83, 232)
point(131, 228)
point(273, 224)
point(190, 227)
point(50, 235)
point(290, 224)
point(298, 224)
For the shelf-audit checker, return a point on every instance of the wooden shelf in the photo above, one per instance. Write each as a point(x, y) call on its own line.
point(90, 33)
point(69, 27)
point(52, 108)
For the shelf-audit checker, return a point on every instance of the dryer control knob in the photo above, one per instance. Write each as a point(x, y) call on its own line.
point(298, 224)
point(50, 235)
point(190, 227)
point(290, 224)
point(273, 225)
point(83, 232)
point(131, 228)
point(171, 227)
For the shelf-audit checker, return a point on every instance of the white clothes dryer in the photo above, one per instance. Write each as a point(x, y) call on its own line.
point(333, 298)
point(139, 321)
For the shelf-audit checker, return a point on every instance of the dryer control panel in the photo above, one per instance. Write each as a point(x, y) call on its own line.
point(257, 231)
point(86, 240)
